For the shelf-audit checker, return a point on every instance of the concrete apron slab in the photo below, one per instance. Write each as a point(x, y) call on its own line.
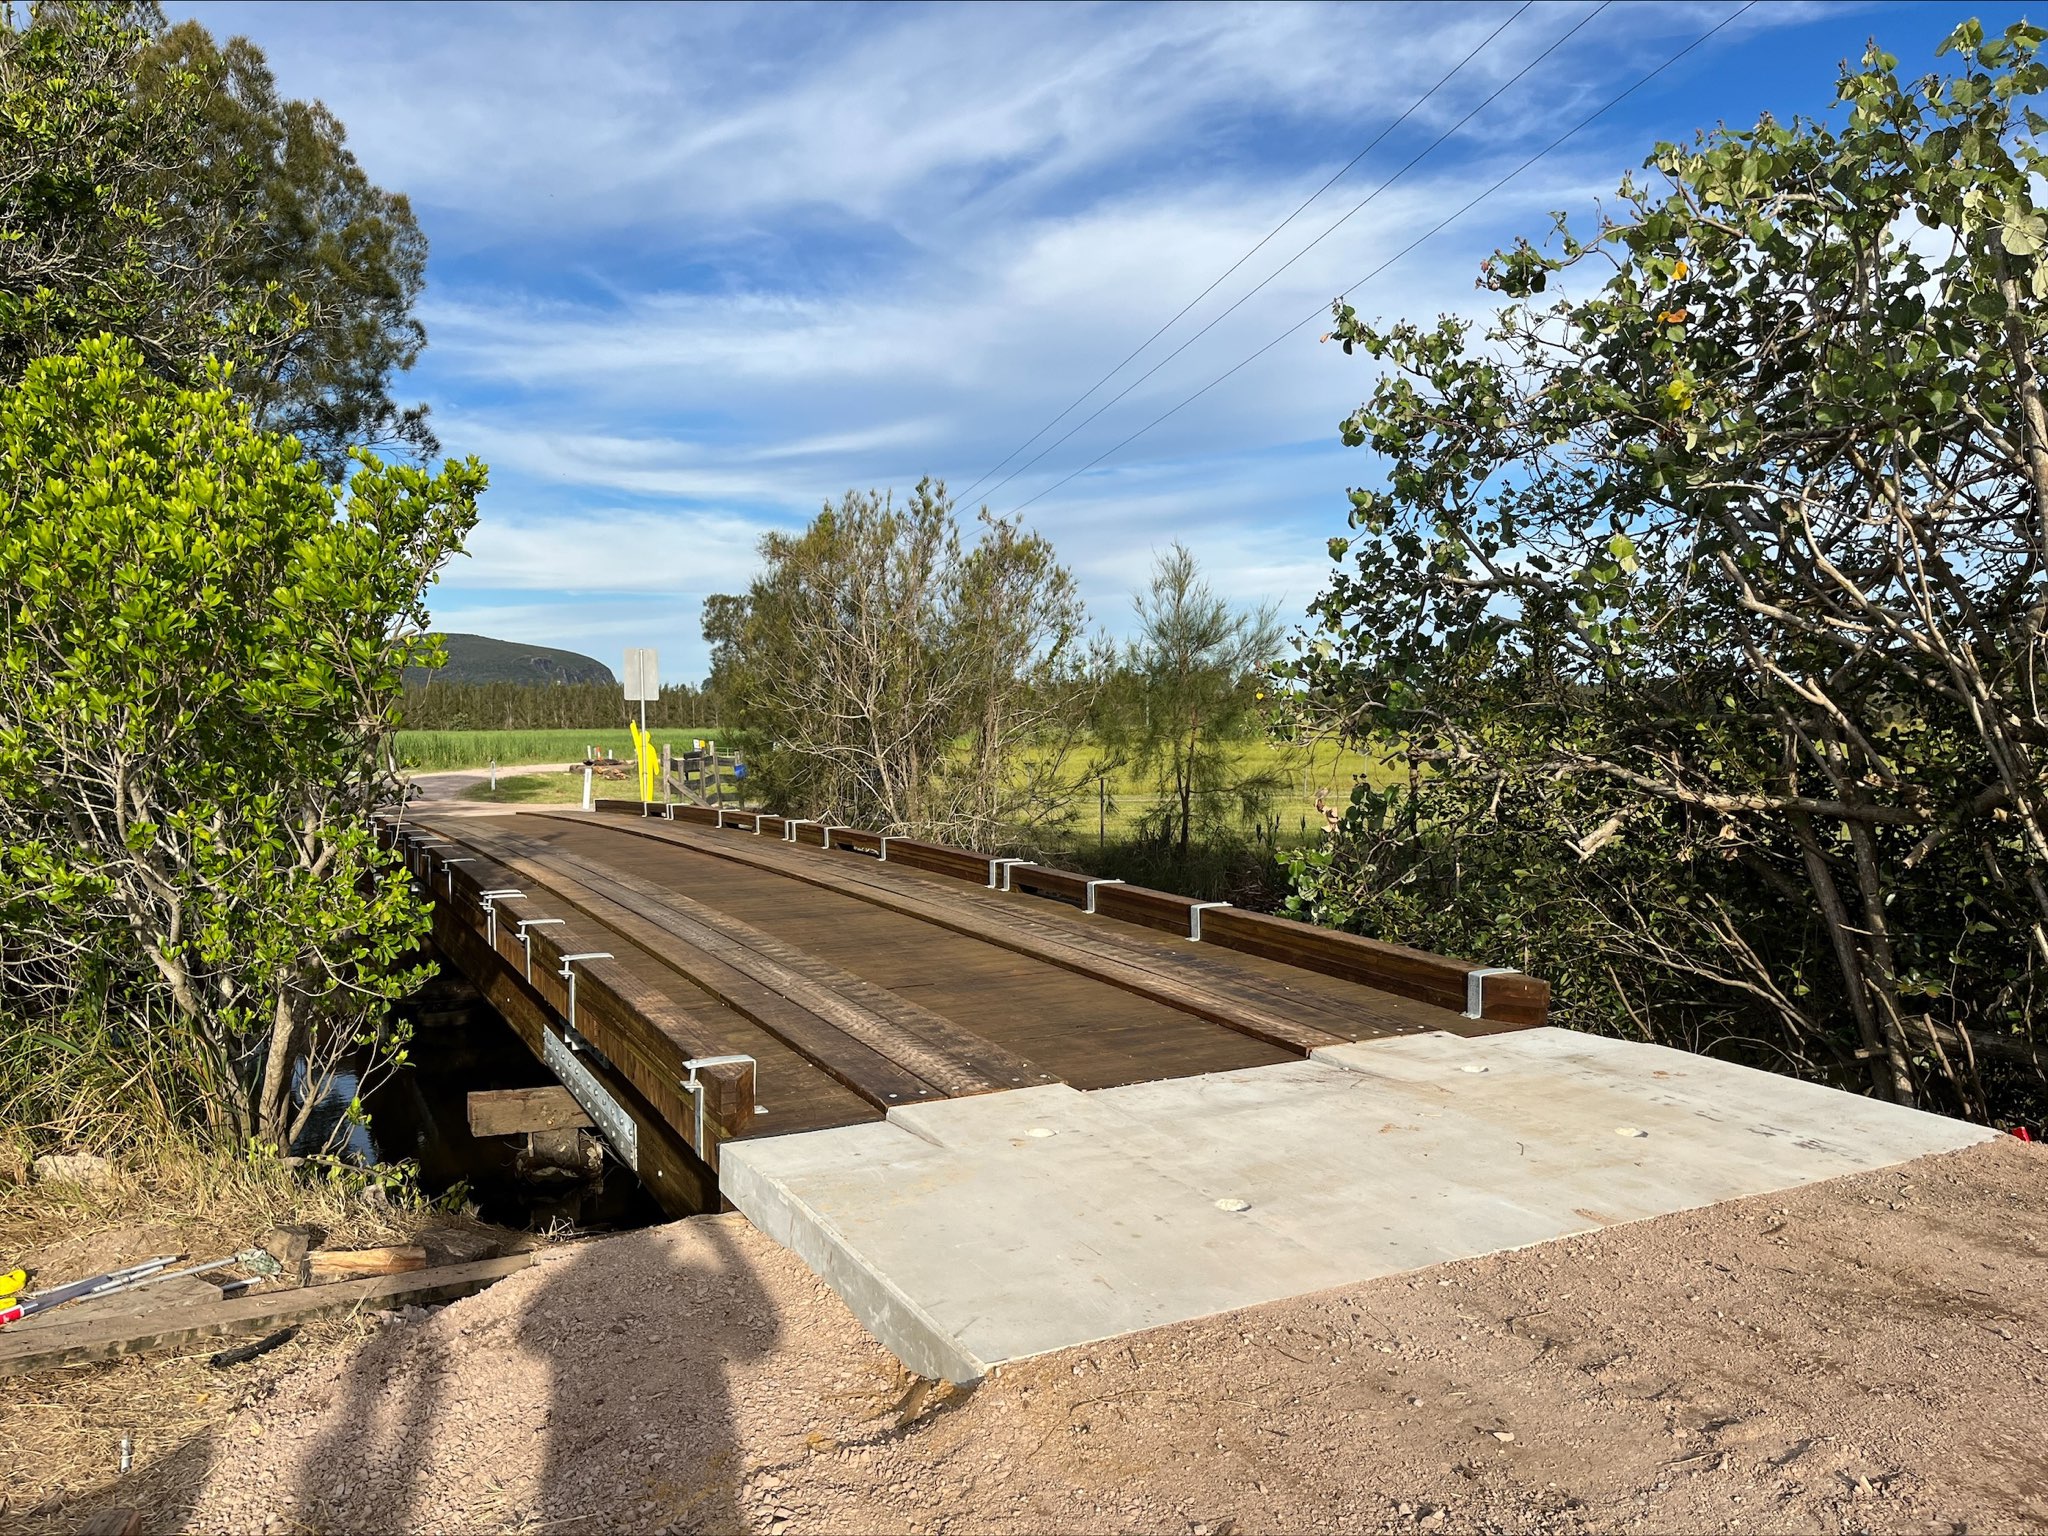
point(973, 1231)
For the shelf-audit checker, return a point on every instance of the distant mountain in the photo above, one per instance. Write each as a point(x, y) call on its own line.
point(480, 659)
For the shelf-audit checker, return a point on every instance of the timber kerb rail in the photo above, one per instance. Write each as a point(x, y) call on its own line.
point(551, 976)
point(1493, 993)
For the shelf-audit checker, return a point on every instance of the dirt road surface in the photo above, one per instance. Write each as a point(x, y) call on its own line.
point(1865, 1355)
point(446, 790)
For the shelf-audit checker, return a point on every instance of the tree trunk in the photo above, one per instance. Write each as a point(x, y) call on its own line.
point(1187, 786)
point(1848, 959)
point(273, 1104)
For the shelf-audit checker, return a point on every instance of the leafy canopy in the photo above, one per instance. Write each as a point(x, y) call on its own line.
point(1708, 600)
point(202, 643)
point(153, 184)
point(904, 679)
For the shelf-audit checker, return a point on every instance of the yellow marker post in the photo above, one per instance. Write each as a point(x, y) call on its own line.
point(643, 748)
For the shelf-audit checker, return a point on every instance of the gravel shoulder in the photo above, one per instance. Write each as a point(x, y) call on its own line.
point(1864, 1355)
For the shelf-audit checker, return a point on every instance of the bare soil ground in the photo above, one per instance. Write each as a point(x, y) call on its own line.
point(1865, 1355)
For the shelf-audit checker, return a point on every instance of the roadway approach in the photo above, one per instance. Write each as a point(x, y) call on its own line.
point(1002, 1108)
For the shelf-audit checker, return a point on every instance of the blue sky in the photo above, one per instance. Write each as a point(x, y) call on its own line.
point(698, 268)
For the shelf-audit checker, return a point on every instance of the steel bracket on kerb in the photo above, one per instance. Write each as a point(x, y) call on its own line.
point(526, 943)
point(885, 848)
point(1475, 988)
point(489, 900)
point(448, 868)
point(1088, 893)
point(568, 973)
point(790, 824)
point(695, 1089)
point(1195, 918)
point(1003, 867)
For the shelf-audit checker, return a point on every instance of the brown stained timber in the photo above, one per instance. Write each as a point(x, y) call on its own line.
point(1083, 953)
point(1507, 998)
point(1210, 986)
point(637, 1028)
point(814, 1006)
point(857, 984)
point(669, 1168)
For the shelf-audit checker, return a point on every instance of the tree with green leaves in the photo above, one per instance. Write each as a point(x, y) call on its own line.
point(904, 679)
point(1186, 699)
point(1710, 597)
point(202, 645)
point(154, 185)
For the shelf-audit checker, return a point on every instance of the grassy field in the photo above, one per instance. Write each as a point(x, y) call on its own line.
point(540, 789)
point(432, 751)
point(1322, 766)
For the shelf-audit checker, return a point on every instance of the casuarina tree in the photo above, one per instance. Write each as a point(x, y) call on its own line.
point(1186, 701)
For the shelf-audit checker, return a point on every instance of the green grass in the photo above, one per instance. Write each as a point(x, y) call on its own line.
point(432, 751)
point(1321, 766)
point(538, 789)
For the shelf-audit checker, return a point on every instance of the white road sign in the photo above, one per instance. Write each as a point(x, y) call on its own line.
point(643, 675)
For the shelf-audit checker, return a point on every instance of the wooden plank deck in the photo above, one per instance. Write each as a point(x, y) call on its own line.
point(852, 985)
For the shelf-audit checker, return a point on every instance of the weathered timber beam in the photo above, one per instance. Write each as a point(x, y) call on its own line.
point(61, 1341)
point(518, 1111)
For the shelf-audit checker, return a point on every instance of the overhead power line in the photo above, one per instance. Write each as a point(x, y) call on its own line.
point(1421, 155)
point(1428, 234)
point(1413, 107)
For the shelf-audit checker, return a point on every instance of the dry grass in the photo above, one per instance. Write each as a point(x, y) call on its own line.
point(171, 1190)
point(167, 1195)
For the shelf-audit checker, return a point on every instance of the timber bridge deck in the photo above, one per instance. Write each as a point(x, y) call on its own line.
point(1002, 1108)
point(723, 975)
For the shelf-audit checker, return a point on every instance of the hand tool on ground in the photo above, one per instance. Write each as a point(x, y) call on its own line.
point(249, 1258)
point(11, 1310)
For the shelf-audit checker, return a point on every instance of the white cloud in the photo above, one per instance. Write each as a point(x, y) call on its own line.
point(566, 120)
point(682, 555)
point(697, 268)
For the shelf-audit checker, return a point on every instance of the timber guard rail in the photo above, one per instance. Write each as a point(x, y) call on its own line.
point(1498, 994)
